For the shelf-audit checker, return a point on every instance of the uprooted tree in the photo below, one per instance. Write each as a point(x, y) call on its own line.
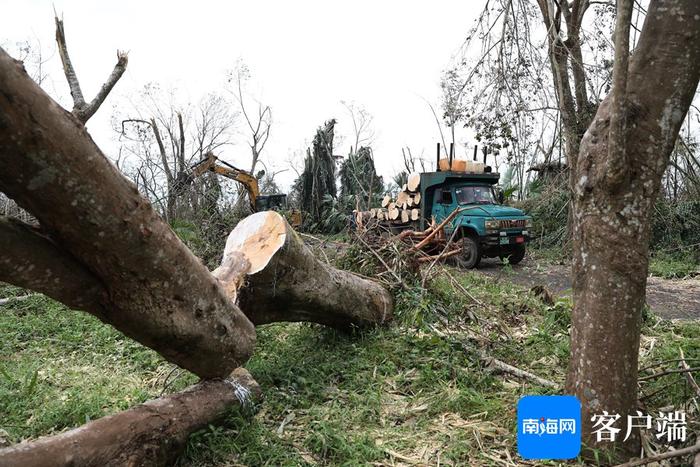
point(100, 247)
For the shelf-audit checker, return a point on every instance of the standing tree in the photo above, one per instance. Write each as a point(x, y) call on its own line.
point(259, 119)
point(616, 150)
point(617, 178)
point(166, 138)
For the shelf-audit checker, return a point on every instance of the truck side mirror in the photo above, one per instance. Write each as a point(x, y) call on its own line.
point(501, 196)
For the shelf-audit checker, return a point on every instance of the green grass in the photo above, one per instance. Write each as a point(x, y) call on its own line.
point(673, 267)
point(411, 392)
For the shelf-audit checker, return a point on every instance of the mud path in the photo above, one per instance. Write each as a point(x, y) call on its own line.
point(668, 298)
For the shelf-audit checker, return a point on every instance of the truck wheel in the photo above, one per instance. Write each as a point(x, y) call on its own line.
point(516, 255)
point(471, 253)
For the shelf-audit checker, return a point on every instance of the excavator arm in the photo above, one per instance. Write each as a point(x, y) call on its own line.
point(213, 164)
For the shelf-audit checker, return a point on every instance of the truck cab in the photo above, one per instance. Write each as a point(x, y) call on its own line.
point(486, 226)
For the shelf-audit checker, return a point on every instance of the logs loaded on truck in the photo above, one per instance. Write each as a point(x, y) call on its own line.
point(461, 204)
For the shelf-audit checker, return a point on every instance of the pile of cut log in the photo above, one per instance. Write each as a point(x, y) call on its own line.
point(402, 209)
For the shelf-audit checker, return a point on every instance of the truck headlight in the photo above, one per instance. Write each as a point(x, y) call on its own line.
point(528, 223)
point(492, 225)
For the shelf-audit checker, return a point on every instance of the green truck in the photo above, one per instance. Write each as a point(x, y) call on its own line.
point(489, 228)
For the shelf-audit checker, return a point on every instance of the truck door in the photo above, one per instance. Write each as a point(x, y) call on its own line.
point(442, 205)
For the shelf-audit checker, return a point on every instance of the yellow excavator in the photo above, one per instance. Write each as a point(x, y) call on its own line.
point(258, 202)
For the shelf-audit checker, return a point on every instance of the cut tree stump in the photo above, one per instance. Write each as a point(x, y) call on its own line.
point(150, 434)
point(272, 276)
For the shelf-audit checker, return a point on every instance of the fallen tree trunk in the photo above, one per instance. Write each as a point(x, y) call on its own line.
point(157, 291)
point(273, 276)
point(32, 261)
point(150, 434)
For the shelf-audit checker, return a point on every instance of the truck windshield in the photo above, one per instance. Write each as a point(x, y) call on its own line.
point(475, 195)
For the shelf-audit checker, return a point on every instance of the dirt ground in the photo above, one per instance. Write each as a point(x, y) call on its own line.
point(668, 298)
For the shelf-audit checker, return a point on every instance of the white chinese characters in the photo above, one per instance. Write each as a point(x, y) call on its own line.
point(669, 425)
point(549, 426)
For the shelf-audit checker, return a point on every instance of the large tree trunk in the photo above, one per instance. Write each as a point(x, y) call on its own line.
point(150, 434)
point(157, 291)
point(612, 210)
point(272, 276)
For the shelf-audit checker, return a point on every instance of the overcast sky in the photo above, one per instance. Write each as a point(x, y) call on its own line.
point(304, 57)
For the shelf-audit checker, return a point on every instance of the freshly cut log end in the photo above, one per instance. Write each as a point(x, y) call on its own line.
point(386, 200)
point(416, 199)
point(405, 216)
point(257, 239)
point(402, 198)
point(277, 278)
point(152, 434)
point(394, 214)
point(415, 214)
point(413, 182)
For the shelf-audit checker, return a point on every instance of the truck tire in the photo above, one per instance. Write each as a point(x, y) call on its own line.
point(516, 255)
point(471, 253)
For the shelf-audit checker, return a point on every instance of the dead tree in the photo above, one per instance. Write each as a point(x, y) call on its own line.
point(157, 291)
point(150, 434)
point(273, 276)
point(81, 109)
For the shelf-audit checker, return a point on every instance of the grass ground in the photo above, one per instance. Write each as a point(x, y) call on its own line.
point(408, 394)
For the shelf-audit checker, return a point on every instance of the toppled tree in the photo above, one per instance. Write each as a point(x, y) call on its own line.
point(150, 286)
point(269, 272)
point(101, 247)
point(153, 433)
point(318, 178)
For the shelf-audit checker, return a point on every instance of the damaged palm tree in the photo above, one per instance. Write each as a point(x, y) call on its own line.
point(317, 181)
point(272, 276)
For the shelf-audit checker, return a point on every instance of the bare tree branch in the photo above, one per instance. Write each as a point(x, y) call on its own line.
point(82, 110)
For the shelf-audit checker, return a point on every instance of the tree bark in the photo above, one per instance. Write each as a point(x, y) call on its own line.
point(31, 260)
point(150, 434)
point(81, 109)
point(158, 292)
point(612, 220)
point(273, 276)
